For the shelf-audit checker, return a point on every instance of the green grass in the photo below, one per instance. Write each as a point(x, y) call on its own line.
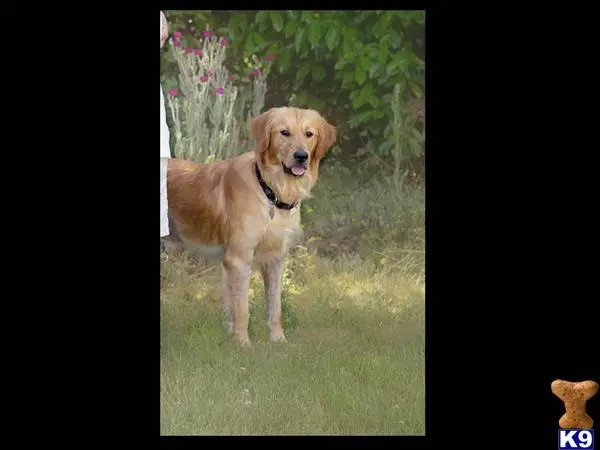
point(354, 320)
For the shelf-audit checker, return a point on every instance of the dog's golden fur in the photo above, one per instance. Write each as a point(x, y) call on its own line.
point(221, 209)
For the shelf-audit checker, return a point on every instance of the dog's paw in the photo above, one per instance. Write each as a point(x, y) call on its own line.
point(243, 341)
point(278, 336)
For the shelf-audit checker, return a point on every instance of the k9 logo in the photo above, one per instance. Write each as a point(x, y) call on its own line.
point(570, 439)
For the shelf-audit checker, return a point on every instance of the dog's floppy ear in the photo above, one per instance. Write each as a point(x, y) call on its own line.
point(261, 131)
point(325, 140)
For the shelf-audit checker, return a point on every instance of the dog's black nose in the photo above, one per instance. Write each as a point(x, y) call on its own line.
point(300, 156)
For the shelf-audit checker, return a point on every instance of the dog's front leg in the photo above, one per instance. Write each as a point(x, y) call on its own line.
point(237, 282)
point(272, 272)
point(226, 300)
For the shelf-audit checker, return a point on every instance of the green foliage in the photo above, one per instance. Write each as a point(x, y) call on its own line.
point(345, 64)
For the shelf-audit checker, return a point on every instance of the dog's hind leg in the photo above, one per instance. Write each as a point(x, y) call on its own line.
point(226, 301)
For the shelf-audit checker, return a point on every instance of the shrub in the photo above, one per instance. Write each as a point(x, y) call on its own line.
point(346, 64)
point(209, 109)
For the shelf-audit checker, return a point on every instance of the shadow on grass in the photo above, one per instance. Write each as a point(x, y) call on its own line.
point(354, 363)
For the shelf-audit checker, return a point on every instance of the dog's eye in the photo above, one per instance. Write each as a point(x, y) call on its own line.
point(285, 132)
point(309, 134)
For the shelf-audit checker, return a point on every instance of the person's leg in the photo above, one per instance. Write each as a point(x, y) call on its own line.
point(164, 221)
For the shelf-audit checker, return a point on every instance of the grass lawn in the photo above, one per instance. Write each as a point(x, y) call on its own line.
point(354, 361)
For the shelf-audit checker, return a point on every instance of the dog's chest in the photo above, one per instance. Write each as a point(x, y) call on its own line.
point(280, 232)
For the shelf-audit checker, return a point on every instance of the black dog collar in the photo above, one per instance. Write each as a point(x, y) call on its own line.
point(270, 194)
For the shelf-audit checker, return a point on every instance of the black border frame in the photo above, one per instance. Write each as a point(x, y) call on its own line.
point(502, 324)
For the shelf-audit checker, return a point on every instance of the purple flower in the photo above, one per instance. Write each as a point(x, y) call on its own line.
point(203, 78)
point(188, 50)
point(198, 52)
point(256, 73)
point(173, 92)
point(269, 57)
point(177, 35)
point(208, 33)
point(224, 42)
point(219, 91)
point(176, 43)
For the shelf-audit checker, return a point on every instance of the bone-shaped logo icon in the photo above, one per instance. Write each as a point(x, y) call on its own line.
point(575, 396)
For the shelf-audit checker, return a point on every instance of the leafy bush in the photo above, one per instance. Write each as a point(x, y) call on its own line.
point(349, 65)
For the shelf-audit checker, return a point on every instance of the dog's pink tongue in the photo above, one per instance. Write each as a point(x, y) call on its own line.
point(298, 170)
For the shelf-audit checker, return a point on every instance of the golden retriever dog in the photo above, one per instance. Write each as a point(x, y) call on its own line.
point(245, 211)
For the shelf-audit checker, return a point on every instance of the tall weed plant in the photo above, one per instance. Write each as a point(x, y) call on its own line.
point(210, 110)
point(407, 137)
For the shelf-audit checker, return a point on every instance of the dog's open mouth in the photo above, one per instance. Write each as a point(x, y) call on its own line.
point(296, 171)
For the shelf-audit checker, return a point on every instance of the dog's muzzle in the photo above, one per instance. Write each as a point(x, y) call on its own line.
point(299, 167)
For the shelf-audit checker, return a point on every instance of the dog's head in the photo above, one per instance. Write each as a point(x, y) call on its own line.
point(293, 138)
